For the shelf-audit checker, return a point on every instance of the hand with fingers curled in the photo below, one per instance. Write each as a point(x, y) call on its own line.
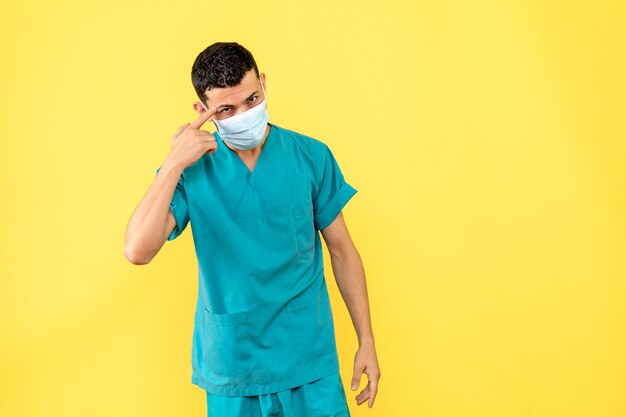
point(189, 142)
point(366, 362)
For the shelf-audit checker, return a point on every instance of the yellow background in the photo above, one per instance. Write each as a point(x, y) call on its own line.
point(486, 139)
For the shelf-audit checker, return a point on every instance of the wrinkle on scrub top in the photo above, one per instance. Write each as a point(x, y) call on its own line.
point(263, 321)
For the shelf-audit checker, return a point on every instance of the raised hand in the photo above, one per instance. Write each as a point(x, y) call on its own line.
point(189, 142)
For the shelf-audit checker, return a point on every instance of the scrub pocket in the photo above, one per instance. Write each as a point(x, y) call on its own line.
point(304, 228)
point(228, 348)
point(311, 324)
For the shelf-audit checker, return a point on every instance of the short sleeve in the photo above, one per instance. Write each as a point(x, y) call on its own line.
point(179, 207)
point(332, 192)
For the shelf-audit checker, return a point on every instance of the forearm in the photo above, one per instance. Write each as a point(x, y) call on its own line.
point(350, 276)
point(146, 228)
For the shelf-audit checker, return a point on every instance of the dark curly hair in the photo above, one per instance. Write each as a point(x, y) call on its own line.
point(220, 65)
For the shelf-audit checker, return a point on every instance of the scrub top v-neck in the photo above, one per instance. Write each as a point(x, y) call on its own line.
point(263, 321)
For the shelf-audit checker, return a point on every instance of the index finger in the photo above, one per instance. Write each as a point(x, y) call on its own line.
point(197, 124)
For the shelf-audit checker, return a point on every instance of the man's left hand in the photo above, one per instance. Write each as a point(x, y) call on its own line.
point(365, 361)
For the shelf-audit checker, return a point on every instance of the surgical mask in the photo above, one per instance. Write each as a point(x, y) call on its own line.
point(245, 130)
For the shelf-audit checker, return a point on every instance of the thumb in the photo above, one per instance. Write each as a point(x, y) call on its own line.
point(179, 131)
point(356, 380)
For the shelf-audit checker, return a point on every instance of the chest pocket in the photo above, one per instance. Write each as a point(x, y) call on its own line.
point(228, 348)
point(304, 228)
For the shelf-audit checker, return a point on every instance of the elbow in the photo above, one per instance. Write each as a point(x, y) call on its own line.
point(135, 256)
point(345, 250)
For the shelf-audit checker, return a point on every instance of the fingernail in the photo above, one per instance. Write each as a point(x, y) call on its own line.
point(353, 386)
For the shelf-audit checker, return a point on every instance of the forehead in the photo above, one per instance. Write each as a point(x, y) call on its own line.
point(233, 95)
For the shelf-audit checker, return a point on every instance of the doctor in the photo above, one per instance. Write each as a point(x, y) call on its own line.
point(258, 195)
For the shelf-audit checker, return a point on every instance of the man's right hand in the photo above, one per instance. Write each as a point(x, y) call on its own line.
point(189, 142)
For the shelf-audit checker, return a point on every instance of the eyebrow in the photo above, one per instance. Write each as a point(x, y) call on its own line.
point(230, 105)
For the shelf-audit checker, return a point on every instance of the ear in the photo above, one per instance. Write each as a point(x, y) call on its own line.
point(198, 107)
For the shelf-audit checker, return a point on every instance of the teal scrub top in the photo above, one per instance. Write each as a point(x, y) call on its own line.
point(263, 321)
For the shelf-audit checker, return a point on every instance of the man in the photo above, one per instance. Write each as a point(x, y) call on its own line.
point(256, 195)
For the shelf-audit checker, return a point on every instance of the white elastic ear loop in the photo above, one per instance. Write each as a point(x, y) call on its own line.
point(211, 116)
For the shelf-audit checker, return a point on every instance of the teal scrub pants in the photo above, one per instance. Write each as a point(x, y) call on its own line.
point(323, 397)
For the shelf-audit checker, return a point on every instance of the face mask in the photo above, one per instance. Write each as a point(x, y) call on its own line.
point(244, 130)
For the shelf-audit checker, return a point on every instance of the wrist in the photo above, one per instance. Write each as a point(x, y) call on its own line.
point(172, 167)
point(366, 340)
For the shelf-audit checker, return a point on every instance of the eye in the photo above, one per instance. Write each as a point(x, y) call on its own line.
point(225, 110)
point(253, 99)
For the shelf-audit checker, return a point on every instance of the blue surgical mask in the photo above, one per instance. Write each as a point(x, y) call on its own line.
point(244, 130)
